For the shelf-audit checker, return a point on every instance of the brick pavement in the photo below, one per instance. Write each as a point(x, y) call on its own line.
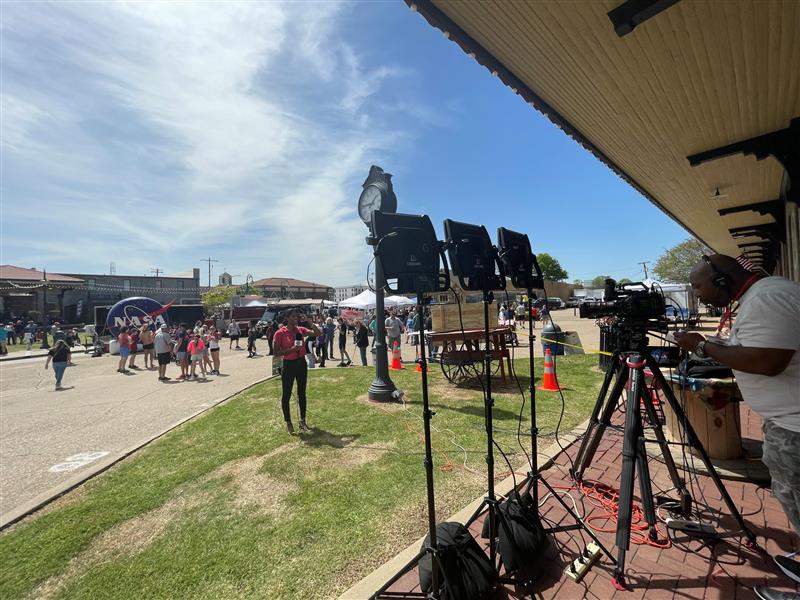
point(725, 570)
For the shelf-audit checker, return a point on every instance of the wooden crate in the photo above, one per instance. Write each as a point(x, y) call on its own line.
point(719, 429)
point(445, 316)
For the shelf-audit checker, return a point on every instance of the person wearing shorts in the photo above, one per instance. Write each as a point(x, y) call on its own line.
point(146, 337)
point(213, 347)
point(343, 344)
point(234, 332)
point(181, 350)
point(196, 348)
point(124, 349)
point(207, 353)
point(163, 346)
point(134, 335)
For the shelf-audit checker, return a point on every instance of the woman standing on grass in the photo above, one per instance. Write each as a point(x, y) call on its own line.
point(288, 345)
point(59, 354)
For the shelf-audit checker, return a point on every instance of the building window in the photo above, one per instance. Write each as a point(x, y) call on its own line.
point(90, 283)
point(158, 284)
point(179, 284)
point(126, 284)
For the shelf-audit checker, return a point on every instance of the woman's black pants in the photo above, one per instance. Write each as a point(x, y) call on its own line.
point(295, 369)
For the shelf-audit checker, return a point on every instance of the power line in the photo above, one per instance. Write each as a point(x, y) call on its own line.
point(644, 266)
point(156, 271)
point(209, 260)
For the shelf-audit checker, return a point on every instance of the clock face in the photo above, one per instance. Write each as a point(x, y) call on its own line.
point(369, 202)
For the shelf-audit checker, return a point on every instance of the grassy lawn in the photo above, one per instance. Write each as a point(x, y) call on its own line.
point(230, 506)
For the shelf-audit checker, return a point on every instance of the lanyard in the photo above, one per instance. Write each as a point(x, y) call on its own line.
point(731, 309)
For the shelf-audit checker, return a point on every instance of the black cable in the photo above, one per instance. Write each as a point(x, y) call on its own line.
point(560, 393)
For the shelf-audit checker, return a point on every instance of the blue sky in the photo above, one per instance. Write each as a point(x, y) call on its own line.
point(154, 135)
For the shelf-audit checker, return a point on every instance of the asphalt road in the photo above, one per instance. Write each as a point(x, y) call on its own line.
point(47, 438)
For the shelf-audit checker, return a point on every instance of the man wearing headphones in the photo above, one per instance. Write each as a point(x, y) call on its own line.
point(763, 353)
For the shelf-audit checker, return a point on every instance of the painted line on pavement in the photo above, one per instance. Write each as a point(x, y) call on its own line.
point(76, 461)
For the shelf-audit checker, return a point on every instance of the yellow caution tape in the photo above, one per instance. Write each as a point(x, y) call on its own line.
point(591, 351)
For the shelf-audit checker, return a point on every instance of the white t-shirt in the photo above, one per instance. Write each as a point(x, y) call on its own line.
point(769, 317)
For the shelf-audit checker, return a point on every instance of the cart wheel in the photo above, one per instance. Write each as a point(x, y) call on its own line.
point(459, 367)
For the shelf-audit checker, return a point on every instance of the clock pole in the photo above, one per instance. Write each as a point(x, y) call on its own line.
point(382, 388)
point(378, 194)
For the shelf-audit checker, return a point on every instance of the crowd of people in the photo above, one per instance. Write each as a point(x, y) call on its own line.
point(27, 333)
point(193, 349)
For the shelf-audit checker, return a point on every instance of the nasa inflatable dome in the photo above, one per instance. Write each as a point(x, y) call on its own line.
point(135, 312)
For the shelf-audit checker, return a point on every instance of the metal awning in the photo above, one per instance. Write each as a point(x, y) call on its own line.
point(697, 76)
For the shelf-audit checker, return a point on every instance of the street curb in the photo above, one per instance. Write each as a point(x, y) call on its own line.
point(24, 356)
point(366, 588)
point(42, 500)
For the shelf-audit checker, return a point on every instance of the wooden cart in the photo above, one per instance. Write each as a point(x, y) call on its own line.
point(462, 353)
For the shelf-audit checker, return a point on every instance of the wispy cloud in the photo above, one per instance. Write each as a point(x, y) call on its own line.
point(154, 133)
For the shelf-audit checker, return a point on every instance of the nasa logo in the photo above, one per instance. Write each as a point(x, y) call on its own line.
point(136, 311)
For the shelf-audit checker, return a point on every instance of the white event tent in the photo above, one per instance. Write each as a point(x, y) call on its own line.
point(366, 299)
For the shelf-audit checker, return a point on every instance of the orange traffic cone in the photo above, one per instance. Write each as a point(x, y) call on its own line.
point(550, 383)
point(397, 362)
point(419, 362)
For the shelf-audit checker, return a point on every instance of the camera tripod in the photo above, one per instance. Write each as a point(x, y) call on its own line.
point(630, 367)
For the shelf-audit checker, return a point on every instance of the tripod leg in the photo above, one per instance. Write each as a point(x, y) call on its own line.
point(594, 418)
point(645, 485)
point(589, 447)
point(629, 459)
point(694, 441)
point(680, 484)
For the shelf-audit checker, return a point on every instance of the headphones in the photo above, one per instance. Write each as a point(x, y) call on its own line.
point(720, 279)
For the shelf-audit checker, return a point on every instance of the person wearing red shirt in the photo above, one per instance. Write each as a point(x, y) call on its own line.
point(288, 344)
point(196, 348)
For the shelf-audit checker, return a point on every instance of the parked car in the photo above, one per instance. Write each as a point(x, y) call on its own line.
point(552, 303)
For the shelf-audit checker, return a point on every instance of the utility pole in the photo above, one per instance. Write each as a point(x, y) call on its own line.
point(156, 271)
point(209, 260)
point(644, 266)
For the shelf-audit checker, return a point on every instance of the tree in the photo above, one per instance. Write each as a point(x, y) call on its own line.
point(624, 280)
point(214, 298)
point(578, 283)
point(599, 281)
point(676, 263)
point(550, 267)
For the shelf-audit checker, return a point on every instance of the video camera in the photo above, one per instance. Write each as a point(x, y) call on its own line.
point(634, 303)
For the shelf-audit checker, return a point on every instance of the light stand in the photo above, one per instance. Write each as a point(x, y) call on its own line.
point(407, 252)
point(474, 260)
point(519, 261)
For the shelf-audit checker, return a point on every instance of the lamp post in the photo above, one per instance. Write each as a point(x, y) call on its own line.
point(45, 345)
point(378, 194)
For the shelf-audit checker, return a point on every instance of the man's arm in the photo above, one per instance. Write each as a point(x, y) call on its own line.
point(759, 361)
